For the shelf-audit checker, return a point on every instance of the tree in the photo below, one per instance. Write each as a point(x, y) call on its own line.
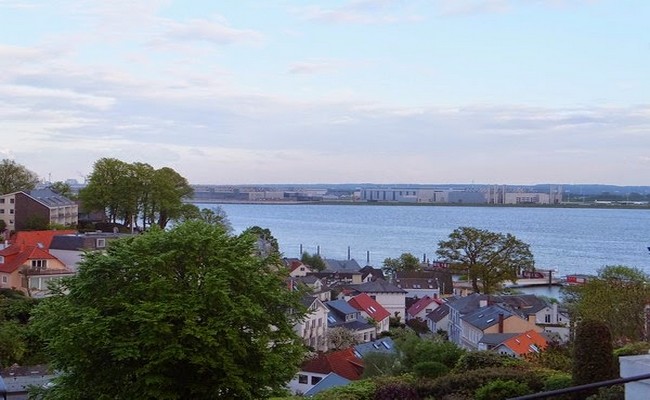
point(15, 177)
point(63, 189)
point(265, 235)
point(617, 296)
point(593, 354)
point(213, 215)
point(489, 257)
point(184, 313)
point(339, 338)
point(315, 261)
point(405, 262)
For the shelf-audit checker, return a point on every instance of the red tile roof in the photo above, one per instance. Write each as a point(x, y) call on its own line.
point(33, 238)
point(422, 304)
point(342, 362)
point(17, 255)
point(526, 342)
point(363, 302)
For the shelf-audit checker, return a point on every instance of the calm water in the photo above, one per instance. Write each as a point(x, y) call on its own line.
point(571, 240)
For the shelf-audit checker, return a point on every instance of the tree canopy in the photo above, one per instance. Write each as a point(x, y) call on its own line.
point(313, 260)
point(15, 177)
point(489, 257)
point(617, 296)
point(135, 193)
point(405, 262)
point(184, 313)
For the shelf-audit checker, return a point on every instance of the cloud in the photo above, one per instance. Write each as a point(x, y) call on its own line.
point(362, 12)
point(314, 67)
point(215, 32)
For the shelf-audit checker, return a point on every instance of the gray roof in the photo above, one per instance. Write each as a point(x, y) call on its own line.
point(50, 198)
point(486, 317)
point(69, 258)
point(330, 381)
point(341, 265)
point(355, 325)
point(379, 286)
point(307, 301)
point(493, 339)
point(341, 307)
point(383, 345)
point(439, 313)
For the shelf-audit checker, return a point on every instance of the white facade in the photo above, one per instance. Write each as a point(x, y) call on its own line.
point(394, 303)
point(304, 381)
point(7, 210)
point(313, 329)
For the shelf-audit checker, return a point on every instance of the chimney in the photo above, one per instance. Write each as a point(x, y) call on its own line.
point(482, 303)
point(500, 322)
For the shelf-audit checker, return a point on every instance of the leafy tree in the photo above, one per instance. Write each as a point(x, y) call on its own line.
point(380, 364)
point(185, 313)
point(213, 215)
point(315, 261)
point(339, 338)
point(265, 235)
point(593, 358)
point(108, 189)
point(15, 177)
point(405, 262)
point(169, 190)
point(617, 297)
point(63, 189)
point(489, 257)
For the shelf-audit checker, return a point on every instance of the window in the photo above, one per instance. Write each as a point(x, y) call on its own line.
point(11, 211)
point(4, 279)
point(12, 201)
point(100, 243)
point(39, 264)
point(2, 201)
point(315, 379)
point(303, 378)
point(547, 318)
point(2, 210)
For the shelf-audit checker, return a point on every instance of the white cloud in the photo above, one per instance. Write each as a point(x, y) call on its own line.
point(362, 12)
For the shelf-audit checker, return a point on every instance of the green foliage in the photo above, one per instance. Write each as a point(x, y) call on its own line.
point(13, 343)
point(616, 392)
point(499, 390)
point(430, 369)
point(483, 359)
point(555, 356)
point(617, 297)
point(315, 261)
point(268, 241)
point(213, 215)
point(135, 192)
point(592, 353)
point(63, 189)
point(490, 258)
point(380, 364)
point(415, 351)
point(16, 344)
point(558, 380)
point(356, 390)
point(405, 262)
point(391, 391)
point(15, 177)
point(184, 313)
point(632, 349)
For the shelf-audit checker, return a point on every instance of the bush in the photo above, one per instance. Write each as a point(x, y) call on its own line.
point(357, 390)
point(616, 392)
point(392, 391)
point(632, 349)
point(593, 354)
point(430, 369)
point(499, 390)
point(557, 381)
point(483, 359)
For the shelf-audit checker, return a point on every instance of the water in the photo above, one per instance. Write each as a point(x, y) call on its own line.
point(570, 239)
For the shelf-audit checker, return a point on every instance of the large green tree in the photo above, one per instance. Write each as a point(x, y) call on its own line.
point(15, 177)
point(135, 193)
point(617, 296)
point(405, 262)
point(184, 313)
point(490, 258)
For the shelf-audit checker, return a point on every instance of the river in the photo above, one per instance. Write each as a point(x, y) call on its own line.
point(571, 240)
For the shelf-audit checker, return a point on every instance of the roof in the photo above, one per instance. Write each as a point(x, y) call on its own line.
point(439, 313)
point(17, 255)
point(343, 362)
point(422, 304)
point(332, 265)
point(50, 199)
point(494, 339)
point(438, 279)
point(383, 345)
point(341, 307)
point(331, 380)
point(34, 238)
point(486, 317)
point(379, 286)
point(365, 303)
point(527, 342)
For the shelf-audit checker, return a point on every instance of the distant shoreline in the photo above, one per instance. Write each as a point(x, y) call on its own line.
point(370, 204)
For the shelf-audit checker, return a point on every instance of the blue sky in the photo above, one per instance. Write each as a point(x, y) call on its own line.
point(381, 91)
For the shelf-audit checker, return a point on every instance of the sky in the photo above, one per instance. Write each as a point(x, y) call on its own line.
point(351, 91)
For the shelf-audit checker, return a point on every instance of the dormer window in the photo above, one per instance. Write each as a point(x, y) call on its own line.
point(2, 259)
point(39, 264)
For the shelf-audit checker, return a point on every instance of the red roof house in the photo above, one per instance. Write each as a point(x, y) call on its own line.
point(29, 268)
point(342, 362)
point(423, 307)
point(371, 309)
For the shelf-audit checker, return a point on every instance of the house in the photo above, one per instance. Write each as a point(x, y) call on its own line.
point(391, 297)
point(432, 283)
point(20, 210)
point(369, 274)
point(382, 345)
point(69, 248)
point(30, 269)
point(313, 328)
point(296, 267)
point(342, 271)
point(372, 311)
point(422, 307)
point(341, 314)
point(519, 344)
point(42, 239)
point(438, 319)
point(314, 285)
point(343, 363)
point(331, 380)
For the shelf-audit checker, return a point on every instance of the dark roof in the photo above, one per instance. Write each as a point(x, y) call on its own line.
point(486, 317)
point(383, 345)
point(307, 301)
point(439, 313)
point(425, 280)
point(332, 265)
point(493, 339)
point(379, 286)
point(341, 307)
point(50, 198)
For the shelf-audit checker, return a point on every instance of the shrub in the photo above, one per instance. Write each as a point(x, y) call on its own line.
point(499, 390)
point(357, 390)
point(593, 354)
point(616, 392)
point(483, 359)
point(430, 369)
point(632, 349)
point(392, 391)
point(557, 381)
